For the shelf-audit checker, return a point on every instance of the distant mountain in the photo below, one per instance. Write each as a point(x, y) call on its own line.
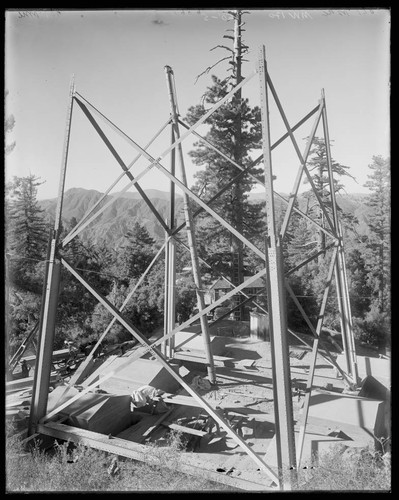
point(110, 226)
point(112, 223)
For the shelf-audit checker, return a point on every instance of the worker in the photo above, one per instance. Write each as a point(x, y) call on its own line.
point(24, 369)
point(149, 397)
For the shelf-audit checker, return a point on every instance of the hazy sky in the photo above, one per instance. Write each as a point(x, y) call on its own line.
point(118, 59)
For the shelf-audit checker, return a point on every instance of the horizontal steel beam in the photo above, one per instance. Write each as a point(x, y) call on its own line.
point(187, 464)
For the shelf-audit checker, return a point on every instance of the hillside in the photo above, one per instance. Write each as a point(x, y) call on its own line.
point(112, 223)
point(129, 208)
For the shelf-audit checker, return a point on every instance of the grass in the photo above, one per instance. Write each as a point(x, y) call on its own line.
point(354, 470)
point(81, 469)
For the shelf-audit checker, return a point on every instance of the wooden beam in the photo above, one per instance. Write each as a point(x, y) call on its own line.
point(181, 400)
point(196, 358)
point(151, 429)
point(26, 383)
point(183, 428)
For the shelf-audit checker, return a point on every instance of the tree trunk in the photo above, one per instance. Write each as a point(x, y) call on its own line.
point(237, 259)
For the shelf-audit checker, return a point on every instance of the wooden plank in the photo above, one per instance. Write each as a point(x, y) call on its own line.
point(135, 431)
point(26, 383)
point(189, 464)
point(57, 356)
point(186, 430)
point(151, 429)
point(195, 358)
point(200, 354)
point(182, 400)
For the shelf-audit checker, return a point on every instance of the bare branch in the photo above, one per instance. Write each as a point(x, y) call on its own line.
point(208, 69)
point(222, 47)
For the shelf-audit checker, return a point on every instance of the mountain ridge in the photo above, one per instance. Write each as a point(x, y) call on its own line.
point(111, 225)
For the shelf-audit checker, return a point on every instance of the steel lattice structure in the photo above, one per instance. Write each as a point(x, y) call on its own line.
point(288, 457)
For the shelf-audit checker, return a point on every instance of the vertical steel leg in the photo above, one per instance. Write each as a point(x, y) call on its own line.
point(171, 294)
point(340, 272)
point(165, 345)
point(170, 262)
point(50, 298)
point(191, 236)
point(283, 410)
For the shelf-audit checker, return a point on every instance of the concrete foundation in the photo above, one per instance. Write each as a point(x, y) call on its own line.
point(362, 419)
point(378, 368)
point(188, 341)
point(140, 372)
point(315, 444)
point(95, 412)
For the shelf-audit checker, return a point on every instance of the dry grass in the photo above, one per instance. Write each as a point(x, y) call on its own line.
point(363, 470)
point(81, 469)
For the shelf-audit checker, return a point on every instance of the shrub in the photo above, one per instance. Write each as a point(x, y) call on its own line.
point(362, 470)
point(374, 329)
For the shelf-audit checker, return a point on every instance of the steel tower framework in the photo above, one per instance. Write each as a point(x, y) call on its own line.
point(288, 453)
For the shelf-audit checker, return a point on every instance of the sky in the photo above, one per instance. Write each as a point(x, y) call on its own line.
point(117, 60)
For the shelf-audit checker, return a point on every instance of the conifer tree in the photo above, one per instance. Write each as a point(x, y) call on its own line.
point(136, 252)
point(235, 130)
point(379, 223)
point(318, 167)
point(27, 231)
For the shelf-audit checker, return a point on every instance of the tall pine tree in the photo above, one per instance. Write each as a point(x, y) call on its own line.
point(26, 231)
point(25, 246)
point(379, 223)
point(318, 167)
point(235, 129)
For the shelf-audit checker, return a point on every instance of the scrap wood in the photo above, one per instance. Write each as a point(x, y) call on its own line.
point(18, 402)
point(297, 354)
point(181, 400)
point(186, 430)
point(21, 412)
point(239, 394)
point(147, 433)
point(249, 364)
point(196, 358)
point(236, 423)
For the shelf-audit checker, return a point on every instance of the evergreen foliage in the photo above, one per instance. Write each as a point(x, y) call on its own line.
point(233, 204)
point(26, 232)
point(379, 223)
